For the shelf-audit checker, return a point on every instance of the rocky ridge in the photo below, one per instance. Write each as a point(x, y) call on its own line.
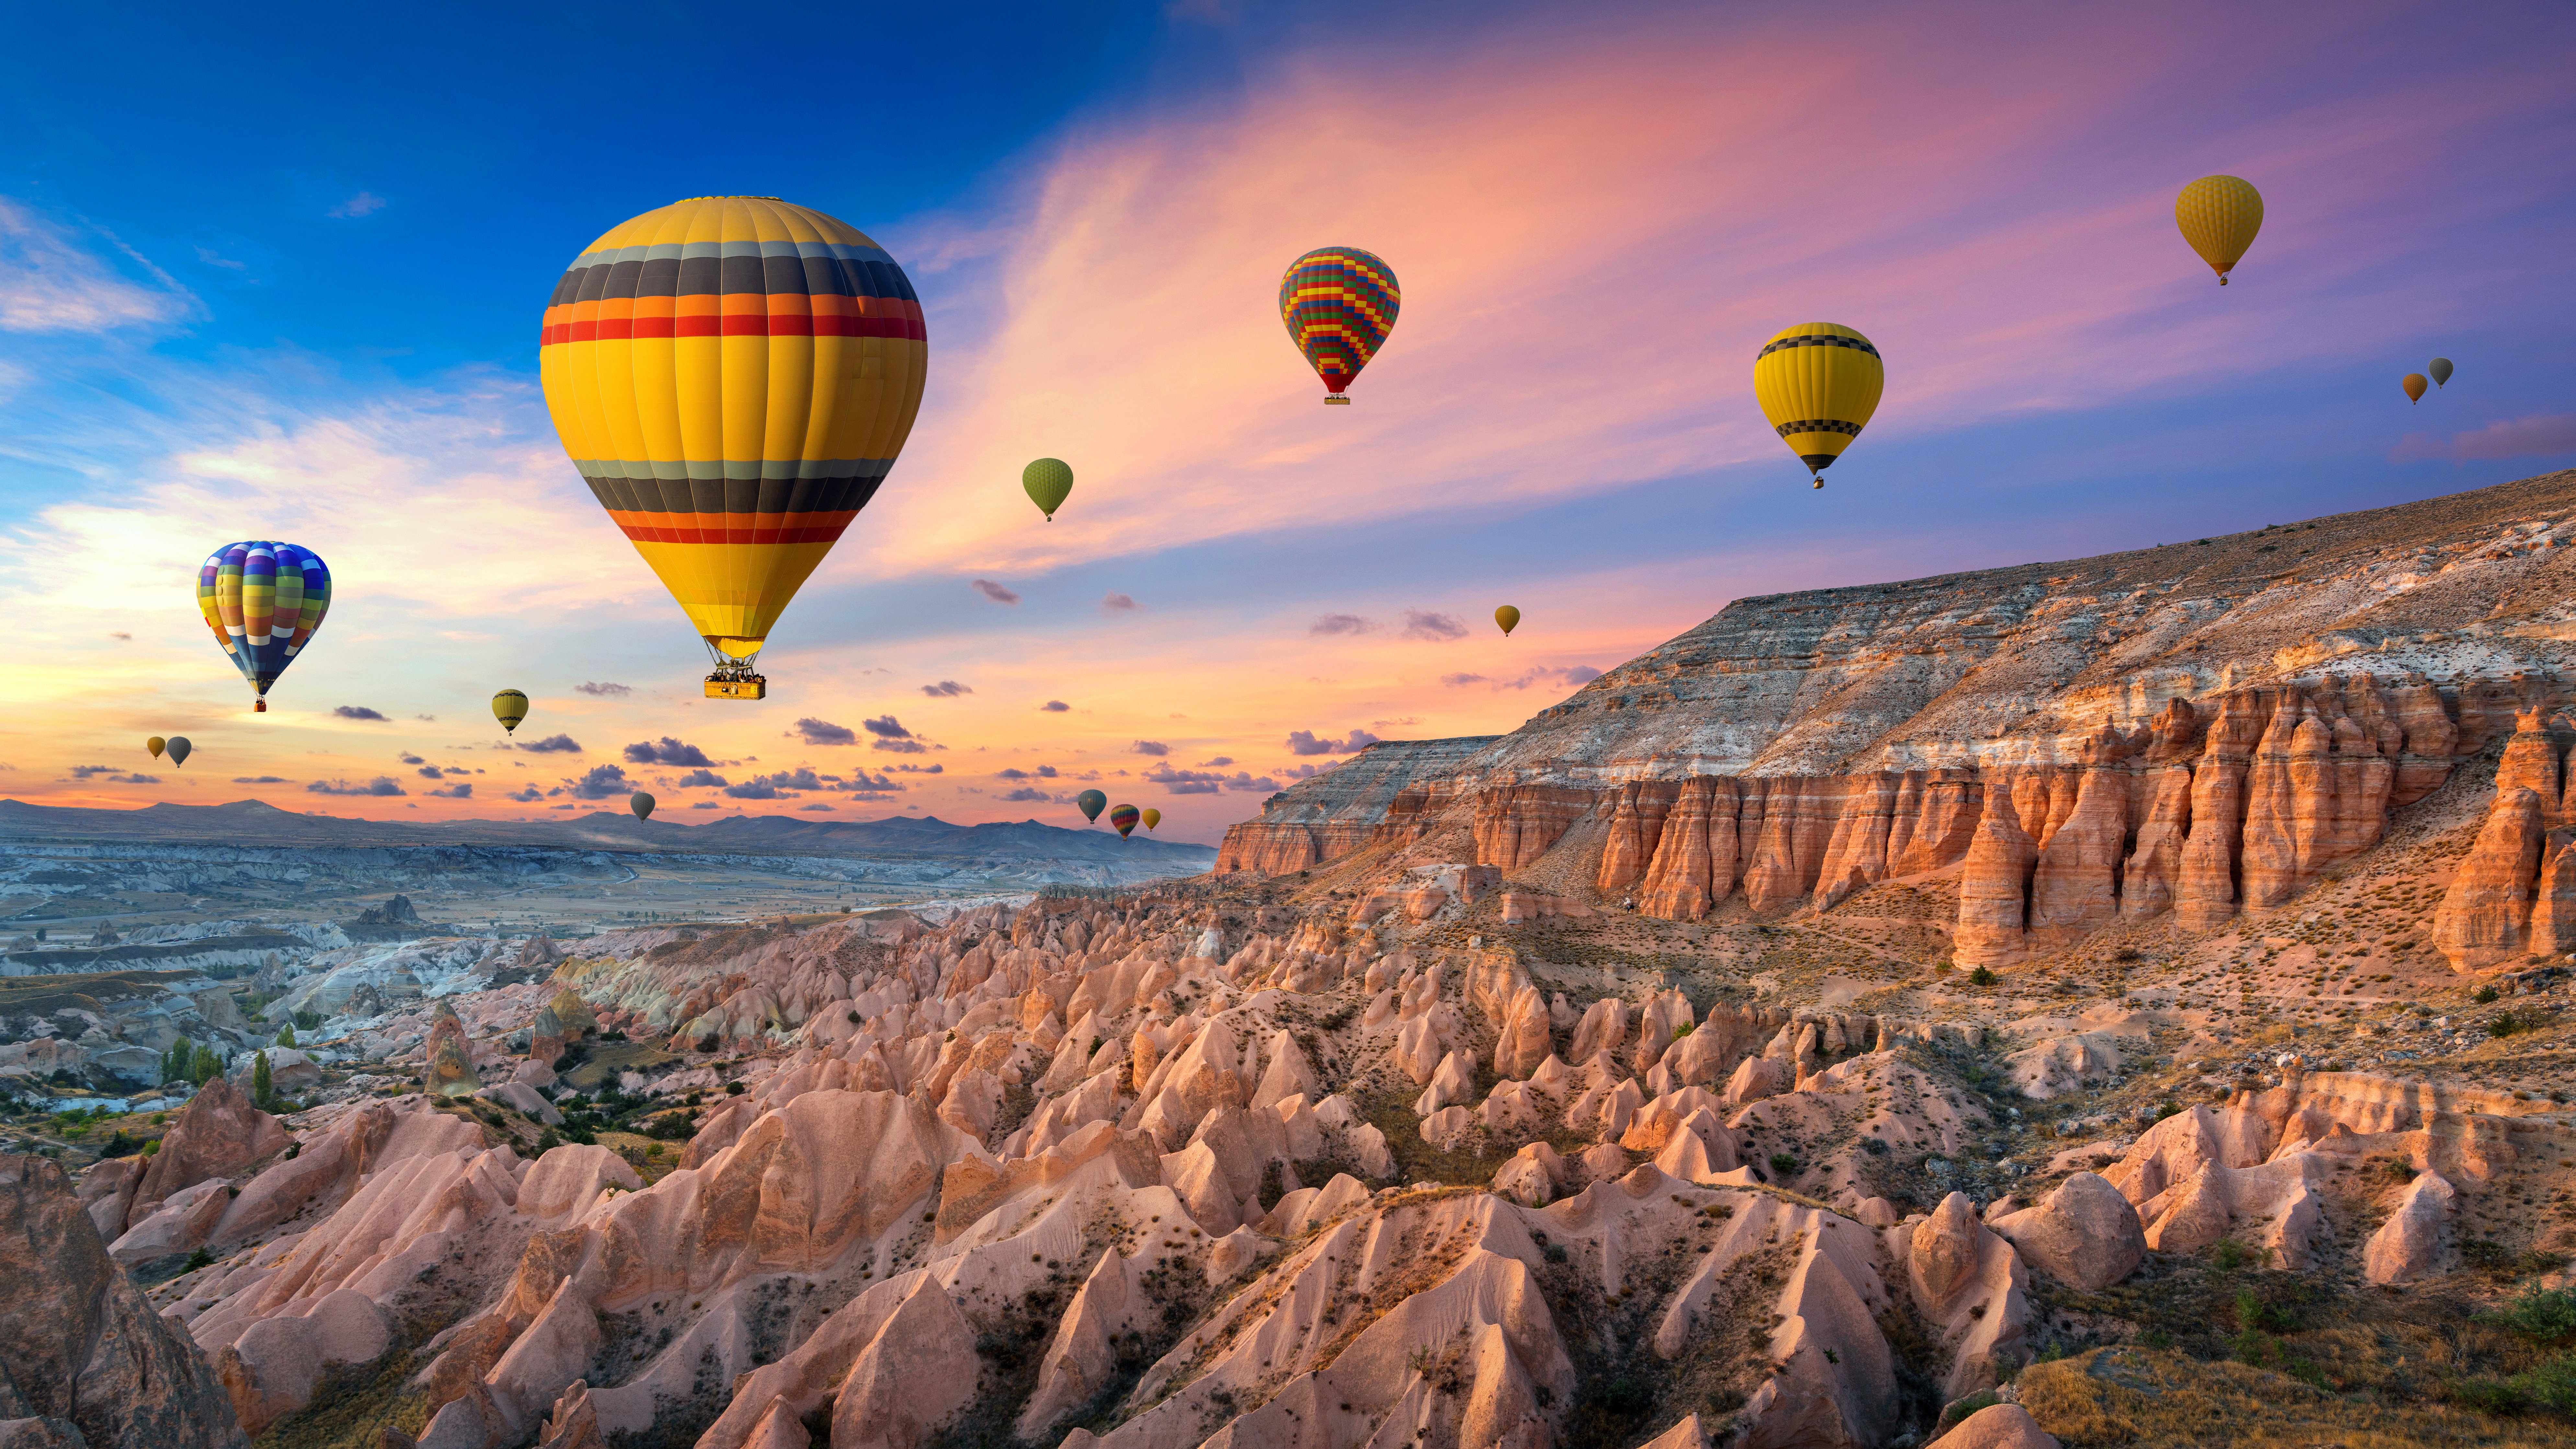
point(2074, 744)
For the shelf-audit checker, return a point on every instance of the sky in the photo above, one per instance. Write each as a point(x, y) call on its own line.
point(278, 274)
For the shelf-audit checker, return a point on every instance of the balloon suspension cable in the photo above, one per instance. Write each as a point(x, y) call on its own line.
point(729, 667)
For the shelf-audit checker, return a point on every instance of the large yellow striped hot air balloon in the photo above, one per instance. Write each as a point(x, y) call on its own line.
point(1818, 383)
point(733, 376)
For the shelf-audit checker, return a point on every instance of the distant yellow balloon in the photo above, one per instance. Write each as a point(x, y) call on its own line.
point(154, 744)
point(2219, 216)
point(2414, 384)
point(1509, 618)
point(509, 707)
point(1818, 383)
point(1153, 817)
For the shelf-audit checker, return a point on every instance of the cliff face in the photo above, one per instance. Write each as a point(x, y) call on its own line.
point(2202, 728)
point(1338, 811)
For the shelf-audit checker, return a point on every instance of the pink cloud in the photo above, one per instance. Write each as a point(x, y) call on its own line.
point(2538, 435)
point(1610, 228)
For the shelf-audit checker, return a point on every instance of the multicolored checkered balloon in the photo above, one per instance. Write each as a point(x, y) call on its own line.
point(263, 600)
point(1339, 304)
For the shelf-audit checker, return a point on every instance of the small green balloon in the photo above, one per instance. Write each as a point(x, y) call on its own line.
point(2440, 369)
point(1091, 803)
point(1049, 482)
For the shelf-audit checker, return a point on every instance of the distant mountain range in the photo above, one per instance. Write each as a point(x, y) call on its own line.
point(250, 822)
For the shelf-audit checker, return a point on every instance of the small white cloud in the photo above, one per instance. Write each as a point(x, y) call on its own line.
point(209, 256)
point(365, 203)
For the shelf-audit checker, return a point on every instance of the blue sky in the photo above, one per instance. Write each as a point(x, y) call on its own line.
point(279, 275)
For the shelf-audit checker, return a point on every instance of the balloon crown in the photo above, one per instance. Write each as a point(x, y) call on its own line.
point(733, 196)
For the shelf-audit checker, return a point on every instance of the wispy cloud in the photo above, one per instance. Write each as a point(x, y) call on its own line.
point(365, 203)
point(53, 280)
point(2537, 436)
point(1422, 624)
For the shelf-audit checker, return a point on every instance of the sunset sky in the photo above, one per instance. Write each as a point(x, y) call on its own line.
point(277, 272)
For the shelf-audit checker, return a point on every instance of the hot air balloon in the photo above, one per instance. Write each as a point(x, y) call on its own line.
point(1091, 803)
point(509, 707)
point(2414, 384)
point(642, 804)
point(263, 600)
point(2219, 216)
point(733, 376)
point(1339, 304)
point(1048, 482)
point(154, 744)
point(179, 749)
point(1818, 383)
point(1124, 817)
point(1153, 817)
point(1509, 618)
point(2440, 368)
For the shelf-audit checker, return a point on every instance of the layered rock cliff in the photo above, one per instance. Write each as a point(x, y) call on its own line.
point(2202, 728)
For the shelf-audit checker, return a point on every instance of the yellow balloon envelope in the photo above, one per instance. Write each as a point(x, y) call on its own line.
point(2219, 216)
point(510, 707)
point(1818, 383)
point(154, 744)
point(2414, 384)
point(1153, 817)
point(1509, 618)
point(733, 376)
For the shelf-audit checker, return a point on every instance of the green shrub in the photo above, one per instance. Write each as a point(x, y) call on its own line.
point(1982, 977)
point(2552, 1384)
point(2487, 1396)
point(2504, 1024)
point(1784, 1165)
point(2485, 995)
point(1985, 1399)
point(2547, 1314)
point(2253, 1312)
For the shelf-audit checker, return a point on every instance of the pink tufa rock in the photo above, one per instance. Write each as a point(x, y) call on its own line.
point(2410, 1245)
point(2084, 1234)
point(218, 1135)
point(916, 1374)
point(2485, 916)
point(1998, 1426)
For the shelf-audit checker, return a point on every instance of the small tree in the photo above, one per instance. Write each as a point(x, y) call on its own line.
point(178, 1060)
point(263, 1087)
point(206, 1066)
point(286, 1035)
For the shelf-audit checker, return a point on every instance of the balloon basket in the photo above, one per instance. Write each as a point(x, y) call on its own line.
point(748, 686)
point(259, 706)
point(1336, 400)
